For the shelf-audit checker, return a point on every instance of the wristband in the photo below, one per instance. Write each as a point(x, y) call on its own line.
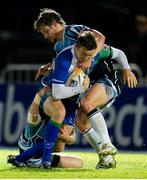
point(37, 99)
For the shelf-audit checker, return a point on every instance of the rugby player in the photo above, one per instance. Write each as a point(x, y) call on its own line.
point(78, 54)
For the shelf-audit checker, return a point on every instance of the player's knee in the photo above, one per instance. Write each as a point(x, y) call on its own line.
point(86, 105)
point(80, 125)
point(56, 113)
point(59, 115)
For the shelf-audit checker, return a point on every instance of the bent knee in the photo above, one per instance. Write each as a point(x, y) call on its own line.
point(82, 125)
point(86, 105)
point(58, 116)
point(56, 113)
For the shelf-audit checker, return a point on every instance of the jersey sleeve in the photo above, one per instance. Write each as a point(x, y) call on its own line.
point(120, 57)
point(105, 52)
point(60, 76)
point(73, 30)
point(71, 33)
point(62, 65)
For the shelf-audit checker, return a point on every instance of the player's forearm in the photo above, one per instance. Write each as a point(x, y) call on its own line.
point(60, 91)
point(33, 114)
point(120, 57)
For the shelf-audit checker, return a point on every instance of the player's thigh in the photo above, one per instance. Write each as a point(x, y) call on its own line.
point(52, 107)
point(96, 95)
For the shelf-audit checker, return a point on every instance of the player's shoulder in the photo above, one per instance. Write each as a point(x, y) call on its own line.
point(106, 51)
point(74, 29)
point(77, 27)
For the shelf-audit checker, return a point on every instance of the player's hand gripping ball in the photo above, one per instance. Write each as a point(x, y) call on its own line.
point(76, 78)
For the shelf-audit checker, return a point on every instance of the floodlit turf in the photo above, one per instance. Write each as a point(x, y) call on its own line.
point(129, 165)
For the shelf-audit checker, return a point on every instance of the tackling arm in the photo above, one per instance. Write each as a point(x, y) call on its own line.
point(60, 76)
point(100, 39)
point(128, 77)
point(120, 57)
point(60, 91)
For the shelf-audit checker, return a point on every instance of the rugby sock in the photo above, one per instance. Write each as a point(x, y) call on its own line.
point(99, 125)
point(50, 136)
point(35, 150)
point(51, 133)
point(93, 139)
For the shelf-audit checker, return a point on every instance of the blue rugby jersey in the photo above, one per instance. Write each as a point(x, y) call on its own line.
point(70, 37)
point(65, 62)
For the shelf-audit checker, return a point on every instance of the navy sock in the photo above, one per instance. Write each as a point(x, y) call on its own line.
point(46, 147)
point(35, 150)
point(50, 135)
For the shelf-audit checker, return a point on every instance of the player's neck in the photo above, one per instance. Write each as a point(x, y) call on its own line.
point(61, 34)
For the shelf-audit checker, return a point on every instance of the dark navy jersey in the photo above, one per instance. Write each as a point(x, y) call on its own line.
point(103, 66)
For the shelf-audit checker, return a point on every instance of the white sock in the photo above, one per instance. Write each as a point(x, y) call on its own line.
point(99, 125)
point(93, 139)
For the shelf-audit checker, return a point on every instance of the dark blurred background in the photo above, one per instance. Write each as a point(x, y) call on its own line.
point(116, 19)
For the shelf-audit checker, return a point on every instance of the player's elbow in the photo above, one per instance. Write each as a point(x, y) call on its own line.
point(103, 38)
point(56, 96)
point(121, 53)
point(99, 36)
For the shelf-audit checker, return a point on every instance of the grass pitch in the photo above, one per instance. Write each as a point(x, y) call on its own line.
point(129, 166)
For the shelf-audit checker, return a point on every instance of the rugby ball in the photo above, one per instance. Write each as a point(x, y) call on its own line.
point(76, 78)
